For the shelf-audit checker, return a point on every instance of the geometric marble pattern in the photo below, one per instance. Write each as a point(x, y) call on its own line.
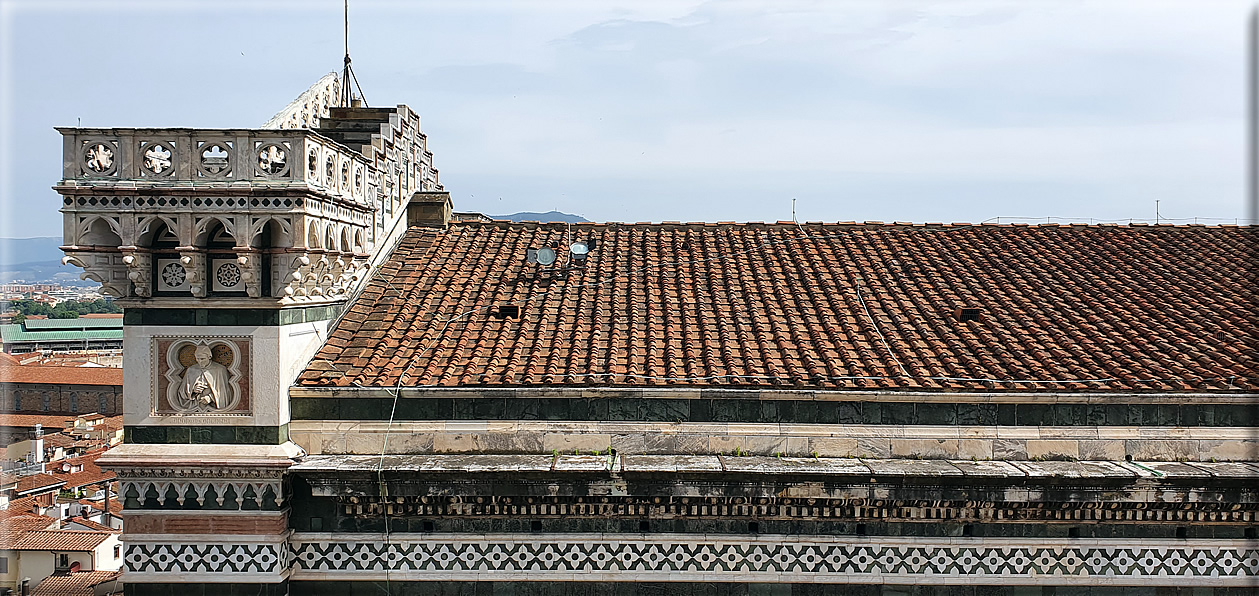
point(207, 558)
point(539, 557)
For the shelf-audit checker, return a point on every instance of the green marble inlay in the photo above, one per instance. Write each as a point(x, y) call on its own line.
point(770, 411)
point(229, 316)
point(204, 435)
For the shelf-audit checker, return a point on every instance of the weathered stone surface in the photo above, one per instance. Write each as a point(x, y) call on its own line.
point(568, 443)
point(1152, 450)
point(1228, 450)
point(670, 463)
point(455, 443)
point(1009, 449)
point(834, 446)
point(874, 447)
point(408, 443)
point(974, 449)
point(1101, 450)
point(1052, 449)
point(924, 448)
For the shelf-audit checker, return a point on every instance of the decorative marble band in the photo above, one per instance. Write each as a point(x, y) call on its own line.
point(221, 317)
point(369, 404)
point(206, 435)
point(658, 507)
point(604, 557)
point(261, 492)
point(202, 559)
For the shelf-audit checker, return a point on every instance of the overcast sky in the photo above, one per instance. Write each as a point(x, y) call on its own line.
point(691, 111)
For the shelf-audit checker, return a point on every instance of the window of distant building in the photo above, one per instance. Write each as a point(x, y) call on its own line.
point(63, 561)
point(117, 550)
point(4, 564)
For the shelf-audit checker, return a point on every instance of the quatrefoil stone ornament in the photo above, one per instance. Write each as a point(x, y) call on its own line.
point(214, 158)
point(157, 158)
point(99, 158)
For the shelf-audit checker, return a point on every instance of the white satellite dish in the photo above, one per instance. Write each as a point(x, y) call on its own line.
point(579, 250)
point(546, 256)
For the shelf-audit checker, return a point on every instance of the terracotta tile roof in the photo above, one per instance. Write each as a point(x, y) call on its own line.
point(11, 372)
point(51, 422)
point(19, 507)
point(821, 306)
point(115, 506)
point(78, 583)
point(61, 540)
point(90, 474)
point(91, 525)
point(12, 528)
point(36, 483)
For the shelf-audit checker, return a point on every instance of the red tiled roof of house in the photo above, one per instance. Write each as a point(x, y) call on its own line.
point(11, 372)
point(18, 507)
point(90, 474)
point(12, 528)
point(77, 583)
point(62, 540)
point(51, 422)
point(38, 483)
point(115, 506)
point(818, 306)
point(91, 525)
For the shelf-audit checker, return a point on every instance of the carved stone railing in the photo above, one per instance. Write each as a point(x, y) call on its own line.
point(175, 157)
point(319, 199)
point(309, 107)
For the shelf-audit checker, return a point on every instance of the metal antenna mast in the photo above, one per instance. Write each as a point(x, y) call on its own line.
point(347, 73)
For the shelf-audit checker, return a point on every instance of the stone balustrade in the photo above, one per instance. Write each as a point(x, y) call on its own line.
point(183, 158)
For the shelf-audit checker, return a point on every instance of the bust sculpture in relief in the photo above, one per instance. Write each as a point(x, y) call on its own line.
point(205, 383)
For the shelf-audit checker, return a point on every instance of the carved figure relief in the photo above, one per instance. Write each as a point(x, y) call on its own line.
point(205, 383)
point(272, 160)
point(98, 158)
point(157, 158)
point(202, 376)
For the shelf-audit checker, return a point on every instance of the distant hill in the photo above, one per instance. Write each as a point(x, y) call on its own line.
point(549, 216)
point(29, 250)
point(36, 259)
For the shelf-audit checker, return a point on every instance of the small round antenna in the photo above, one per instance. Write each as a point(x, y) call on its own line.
point(579, 250)
point(546, 256)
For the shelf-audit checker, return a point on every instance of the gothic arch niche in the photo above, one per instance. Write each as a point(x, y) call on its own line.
point(312, 236)
point(216, 232)
point(271, 240)
point(224, 269)
point(157, 232)
point(329, 239)
point(99, 231)
point(345, 240)
point(358, 242)
point(169, 274)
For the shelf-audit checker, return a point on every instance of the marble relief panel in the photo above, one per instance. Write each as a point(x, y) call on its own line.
point(202, 375)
